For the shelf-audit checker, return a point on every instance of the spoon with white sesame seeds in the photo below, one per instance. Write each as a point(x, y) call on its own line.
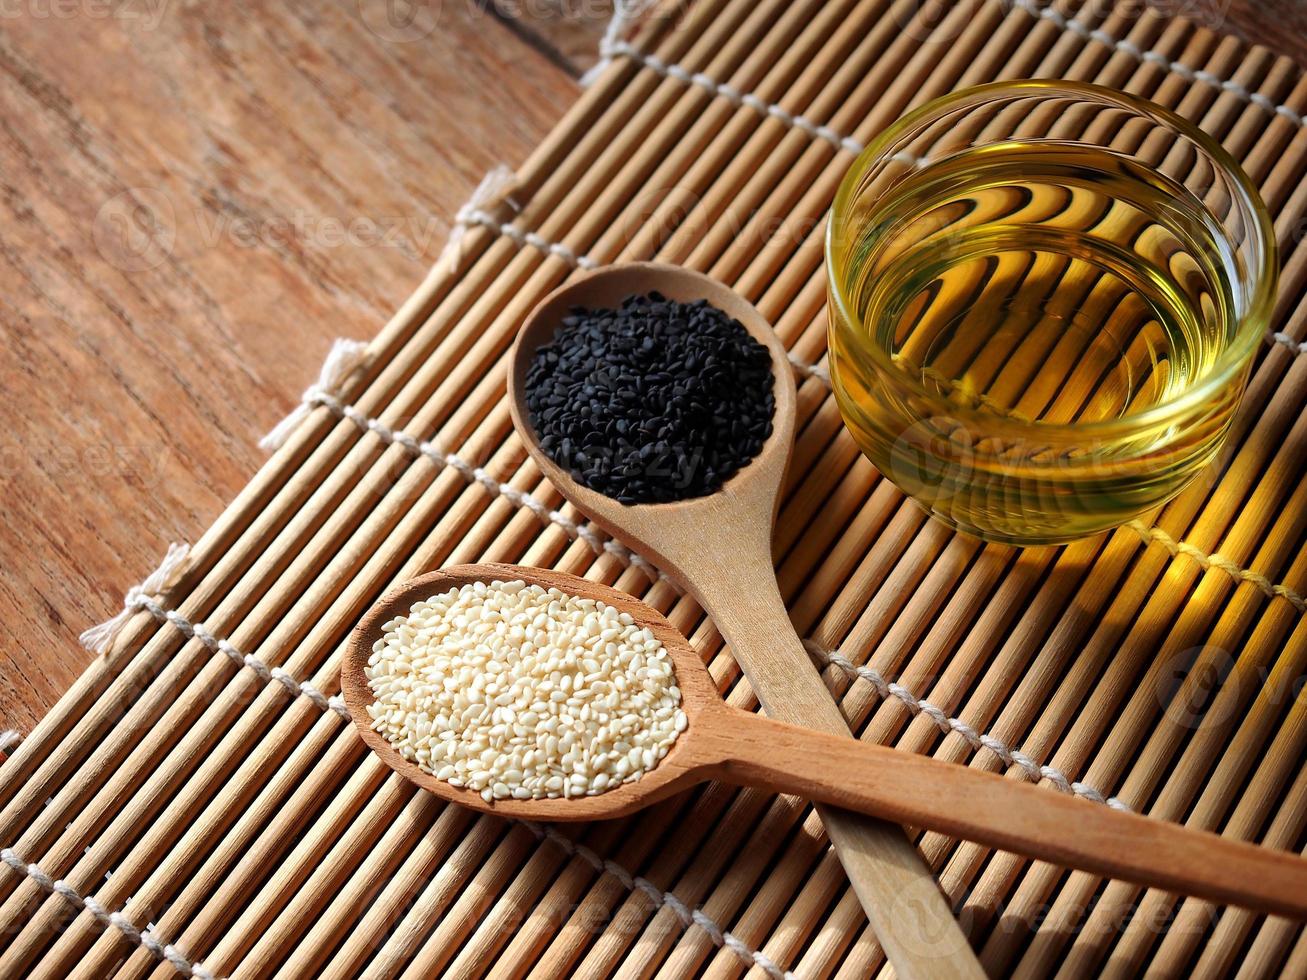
point(718, 742)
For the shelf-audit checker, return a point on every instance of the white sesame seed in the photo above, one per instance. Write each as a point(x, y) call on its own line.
point(516, 691)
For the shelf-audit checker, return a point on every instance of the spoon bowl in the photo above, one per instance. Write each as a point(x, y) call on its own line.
point(675, 771)
point(664, 530)
point(731, 745)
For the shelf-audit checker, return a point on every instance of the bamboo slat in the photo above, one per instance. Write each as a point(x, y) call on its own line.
point(243, 823)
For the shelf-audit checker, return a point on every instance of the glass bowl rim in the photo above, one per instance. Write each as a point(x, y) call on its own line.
point(1248, 332)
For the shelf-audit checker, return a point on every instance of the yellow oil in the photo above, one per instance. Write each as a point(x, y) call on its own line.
point(1037, 306)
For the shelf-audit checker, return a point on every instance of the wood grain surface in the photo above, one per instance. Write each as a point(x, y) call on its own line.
point(197, 198)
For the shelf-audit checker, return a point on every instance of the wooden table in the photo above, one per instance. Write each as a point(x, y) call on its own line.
point(197, 199)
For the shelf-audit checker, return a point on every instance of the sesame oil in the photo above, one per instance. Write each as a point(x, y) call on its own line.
point(1033, 295)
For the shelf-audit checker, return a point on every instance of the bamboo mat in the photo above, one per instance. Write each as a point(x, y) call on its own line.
point(199, 803)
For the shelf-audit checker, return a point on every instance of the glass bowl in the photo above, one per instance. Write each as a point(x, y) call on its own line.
point(1044, 299)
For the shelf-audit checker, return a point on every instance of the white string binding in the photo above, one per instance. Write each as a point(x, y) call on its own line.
point(1064, 23)
point(492, 190)
point(265, 673)
point(625, 14)
point(737, 98)
point(1206, 561)
point(587, 532)
point(344, 358)
point(612, 47)
point(569, 255)
point(806, 370)
point(601, 543)
point(296, 688)
point(1033, 770)
point(146, 938)
point(687, 915)
point(99, 639)
point(243, 660)
point(1284, 340)
point(477, 216)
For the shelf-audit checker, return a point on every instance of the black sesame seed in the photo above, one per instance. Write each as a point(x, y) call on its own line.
point(652, 402)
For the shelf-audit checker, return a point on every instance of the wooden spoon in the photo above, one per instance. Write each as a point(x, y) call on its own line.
point(718, 548)
point(747, 749)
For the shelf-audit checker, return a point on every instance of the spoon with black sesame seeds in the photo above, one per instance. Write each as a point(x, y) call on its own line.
point(628, 386)
point(540, 695)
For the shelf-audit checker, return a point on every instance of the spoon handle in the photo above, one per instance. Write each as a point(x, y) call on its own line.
point(1000, 812)
point(909, 913)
